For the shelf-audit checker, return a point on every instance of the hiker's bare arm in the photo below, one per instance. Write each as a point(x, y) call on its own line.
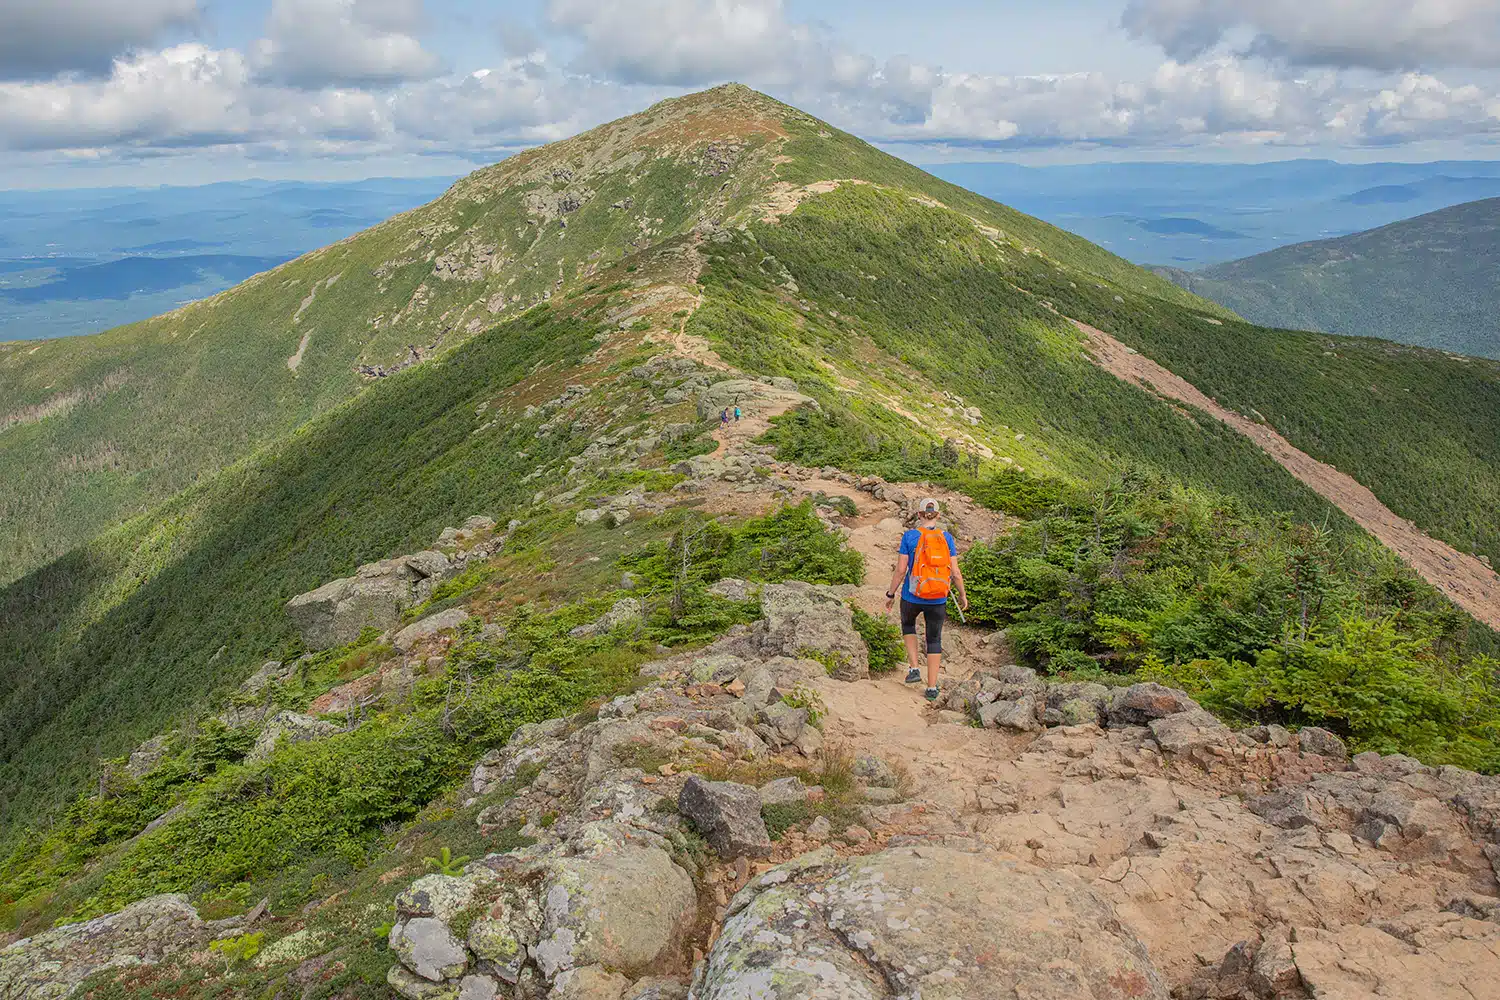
point(903, 563)
point(958, 585)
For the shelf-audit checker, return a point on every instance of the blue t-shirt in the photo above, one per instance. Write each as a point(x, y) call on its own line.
point(909, 543)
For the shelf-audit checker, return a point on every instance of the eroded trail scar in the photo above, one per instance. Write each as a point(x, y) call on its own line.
point(1468, 582)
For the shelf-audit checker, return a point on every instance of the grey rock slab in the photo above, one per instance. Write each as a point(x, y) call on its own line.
point(292, 727)
point(47, 966)
point(426, 946)
point(478, 988)
point(1018, 715)
point(932, 922)
point(803, 619)
point(783, 791)
point(728, 816)
point(430, 626)
point(624, 907)
point(375, 595)
point(414, 987)
point(1187, 732)
point(588, 983)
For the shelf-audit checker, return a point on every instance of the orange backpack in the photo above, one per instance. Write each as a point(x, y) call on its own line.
point(932, 567)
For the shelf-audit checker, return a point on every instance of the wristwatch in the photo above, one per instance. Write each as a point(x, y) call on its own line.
point(889, 596)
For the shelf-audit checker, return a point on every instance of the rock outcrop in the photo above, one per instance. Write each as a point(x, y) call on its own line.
point(49, 965)
point(925, 922)
point(378, 592)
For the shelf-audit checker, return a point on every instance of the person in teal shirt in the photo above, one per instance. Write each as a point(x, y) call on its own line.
point(934, 611)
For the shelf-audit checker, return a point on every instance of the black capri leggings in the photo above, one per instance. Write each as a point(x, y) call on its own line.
point(933, 616)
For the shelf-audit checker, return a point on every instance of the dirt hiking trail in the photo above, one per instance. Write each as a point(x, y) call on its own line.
point(1468, 582)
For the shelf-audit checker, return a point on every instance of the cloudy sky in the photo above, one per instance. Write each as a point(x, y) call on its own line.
point(97, 92)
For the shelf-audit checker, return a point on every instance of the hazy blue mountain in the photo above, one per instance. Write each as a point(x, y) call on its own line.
point(1429, 281)
point(83, 260)
point(1195, 214)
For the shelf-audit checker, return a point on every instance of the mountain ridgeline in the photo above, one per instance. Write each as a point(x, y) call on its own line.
point(549, 345)
point(1428, 281)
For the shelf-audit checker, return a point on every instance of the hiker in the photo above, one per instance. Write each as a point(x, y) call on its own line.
point(724, 417)
point(736, 414)
point(925, 568)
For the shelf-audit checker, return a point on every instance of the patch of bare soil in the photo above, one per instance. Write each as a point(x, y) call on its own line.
point(784, 197)
point(1467, 581)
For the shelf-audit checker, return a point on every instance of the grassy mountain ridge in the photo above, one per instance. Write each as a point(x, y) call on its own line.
point(1428, 281)
point(881, 299)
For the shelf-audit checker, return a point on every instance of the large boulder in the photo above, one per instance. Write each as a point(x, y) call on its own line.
point(1189, 733)
point(375, 596)
point(748, 395)
point(931, 922)
point(428, 627)
point(1139, 704)
point(49, 965)
point(292, 727)
point(727, 814)
point(627, 908)
point(428, 948)
point(812, 620)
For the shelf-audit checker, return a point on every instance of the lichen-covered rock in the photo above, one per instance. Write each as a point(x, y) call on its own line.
point(478, 987)
point(291, 727)
point(1138, 704)
point(428, 627)
point(746, 394)
point(375, 595)
point(783, 791)
point(414, 987)
point(804, 619)
point(626, 611)
point(588, 983)
point(145, 757)
point(734, 589)
point(930, 922)
point(728, 816)
point(626, 908)
point(441, 896)
point(428, 948)
point(873, 771)
point(49, 965)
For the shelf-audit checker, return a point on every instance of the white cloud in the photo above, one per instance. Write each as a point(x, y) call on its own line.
point(187, 96)
point(351, 43)
point(309, 91)
point(40, 38)
point(1383, 35)
point(523, 100)
point(688, 43)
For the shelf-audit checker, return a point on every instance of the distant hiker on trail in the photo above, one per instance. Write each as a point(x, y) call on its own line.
point(736, 414)
point(925, 568)
point(724, 417)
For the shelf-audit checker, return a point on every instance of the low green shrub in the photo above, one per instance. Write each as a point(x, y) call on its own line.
point(882, 637)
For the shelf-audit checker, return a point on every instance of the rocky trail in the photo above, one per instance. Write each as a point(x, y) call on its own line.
point(764, 818)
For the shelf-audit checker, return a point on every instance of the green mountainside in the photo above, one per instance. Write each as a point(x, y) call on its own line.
point(712, 241)
point(1428, 281)
point(96, 429)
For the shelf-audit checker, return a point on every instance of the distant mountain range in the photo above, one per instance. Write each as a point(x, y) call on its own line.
point(81, 261)
point(1433, 281)
point(1195, 214)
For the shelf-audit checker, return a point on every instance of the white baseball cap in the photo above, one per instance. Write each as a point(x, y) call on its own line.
point(928, 503)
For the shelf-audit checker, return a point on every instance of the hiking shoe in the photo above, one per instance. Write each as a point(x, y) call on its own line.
point(914, 676)
point(931, 694)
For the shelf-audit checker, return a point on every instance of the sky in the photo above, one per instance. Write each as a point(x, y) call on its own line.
point(104, 92)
